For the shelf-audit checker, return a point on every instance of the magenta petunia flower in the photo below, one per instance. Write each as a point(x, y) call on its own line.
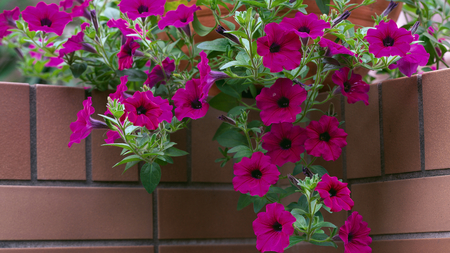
point(66, 4)
point(279, 48)
point(191, 102)
point(355, 89)
point(124, 27)
point(142, 111)
point(325, 138)
point(281, 102)
point(120, 93)
point(142, 8)
point(126, 54)
point(355, 235)
point(388, 40)
point(334, 48)
point(84, 124)
point(284, 143)
point(255, 175)
point(305, 25)
point(8, 21)
point(84, 25)
point(166, 108)
point(180, 17)
point(55, 62)
point(273, 228)
point(160, 74)
point(81, 10)
point(46, 18)
point(206, 75)
point(417, 56)
point(334, 193)
point(111, 136)
point(75, 43)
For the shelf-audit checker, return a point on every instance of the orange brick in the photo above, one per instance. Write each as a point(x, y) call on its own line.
point(412, 245)
point(208, 249)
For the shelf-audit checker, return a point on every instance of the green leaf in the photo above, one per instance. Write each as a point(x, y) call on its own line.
point(222, 129)
point(255, 3)
point(128, 159)
point(323, 7)
point(244, 200)
point(274, 189)
point(169, 6)
point(134, 75)
point(258, 204)
point(230, 64)
point(200, 29)
point(175, 152)
point(324, 224)
point(215, 45)
point(232, 138)
point(297, 169)
point(317, 169)
point(223, 102)
point(295, 239)
point(120, 145)
point(78, 69)
point(238, 148)
point(129, 165)
point(236, 111)
point(150, 176)
point(230, 25)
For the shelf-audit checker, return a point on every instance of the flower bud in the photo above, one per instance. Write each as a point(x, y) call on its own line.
point(93, 14)
point(389, 9)
point(413, 28)
point(294, 181)
point(307, 172)
point(222, 31)
point(227, 119)
point(341, 18)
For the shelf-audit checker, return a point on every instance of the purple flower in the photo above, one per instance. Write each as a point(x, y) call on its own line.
point(305, 25)
point(334, 48)
point(142, 8)
point(126, 54)
point(355, 235)
point(180, 17)
point(120, 93)
point(255, 175)
point(354, 88)
point(279, 48)
point(66, 4)
point(281, 102)
point(46, 18)
point(76, 43)
point(334, 193)
point(389, 9)
point(124, 27)
point(388, 40)
point(207, 76)
point(82, 10)
point(84, 124)
point(142, 111)
point(417, 56)
point(8, 21)
point(160, 74)
point(284, 143)
point(112, 136)
point(273, 228)
point(191, 102)
point(84, 25)
point(55, 62)
point(166, 108)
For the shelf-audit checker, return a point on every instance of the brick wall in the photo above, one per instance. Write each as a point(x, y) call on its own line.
point(60, 200)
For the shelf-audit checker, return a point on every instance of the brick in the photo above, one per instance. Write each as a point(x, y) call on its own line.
point(15, 131)
point(130, 249)
point(56, 108)
point(412, 245)
point(208, 249)
point(401, 125)
point(436, 106)
point(308, 247)
point(177, 172)
point(363, 140)
point(75, 213)
point(205, 151)
point(105, 157)
point(335, 168)
point(403, 206)
point(206, 213)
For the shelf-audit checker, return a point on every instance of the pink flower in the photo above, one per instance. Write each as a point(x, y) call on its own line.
point(325, 138)
point(66, 4)
point(388, 40)
point(355, 235)
point(55, 62)
point(81, 10)
point(84, 124)
point(142, 8)
point(124, 27)
point(112, 136)
point(335, 194)
point(120, 93)
point(305, 25)
point(279, 48)
point(158, 74)
point(180, 17)
point(166, 108)
point(355, 89)
point(142, 111)
point(255, 175)
point(273, 228)
point(46, 18)
point(75, 43)
point(281, 102)
point(126, 54)
point(191, 102)
point(417, 56)
point(8, 21)
point(206, 75)
point(284, 143)
point(84, 25)
point(334, 48)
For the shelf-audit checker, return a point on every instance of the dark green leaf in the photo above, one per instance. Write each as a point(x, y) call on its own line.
point(258, 204)
point(175, 152)
point(78, 69)
point(215, 45)
point(244, 200)
point(232, 138)
point(222, 129)
point(295, 239)
point(297, 169)
point(200, 29)
point(317, 169)
point(129, 165)
point(236, 111)
point(223, 102)
point(150, 176)
point(230, 25)
point(134, 75)
point(323, 6)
